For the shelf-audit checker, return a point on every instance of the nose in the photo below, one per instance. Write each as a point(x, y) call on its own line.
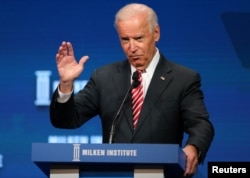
point(132, 46)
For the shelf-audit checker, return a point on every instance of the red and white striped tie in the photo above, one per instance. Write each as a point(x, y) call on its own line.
point(137, 100)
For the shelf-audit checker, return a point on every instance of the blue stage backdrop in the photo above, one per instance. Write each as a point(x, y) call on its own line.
point(210, 36)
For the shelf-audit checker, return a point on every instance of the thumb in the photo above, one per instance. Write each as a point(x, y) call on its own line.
point(83, 60)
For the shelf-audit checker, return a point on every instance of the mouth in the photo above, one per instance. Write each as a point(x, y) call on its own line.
point(134, 57)
point(136, 61)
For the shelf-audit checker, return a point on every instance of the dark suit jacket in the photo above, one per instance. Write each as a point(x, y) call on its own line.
point(173, 105)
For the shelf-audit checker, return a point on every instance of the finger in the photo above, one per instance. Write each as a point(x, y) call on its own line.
point(63, 49)
point(58, 58)
point(70, 49)
point(191, 167)
point(188, 168)
point(83, 60)
point(59, 55)
point(62, 52)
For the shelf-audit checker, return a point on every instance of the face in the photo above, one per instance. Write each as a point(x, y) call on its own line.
point(137, 41)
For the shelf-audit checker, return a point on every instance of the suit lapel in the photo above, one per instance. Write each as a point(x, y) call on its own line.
point(122, 82)
point(158, 84)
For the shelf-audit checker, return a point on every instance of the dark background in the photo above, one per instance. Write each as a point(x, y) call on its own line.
point(210, 36)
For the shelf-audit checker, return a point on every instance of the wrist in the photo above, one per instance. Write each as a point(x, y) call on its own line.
point(198, 151)
point(66, 86)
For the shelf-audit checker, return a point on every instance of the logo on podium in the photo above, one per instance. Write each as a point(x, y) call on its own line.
point(76, 152)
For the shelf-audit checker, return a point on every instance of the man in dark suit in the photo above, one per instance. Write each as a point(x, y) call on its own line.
point(172, 98)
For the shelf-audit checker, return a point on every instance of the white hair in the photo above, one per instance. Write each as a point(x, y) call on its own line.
point(135, 9)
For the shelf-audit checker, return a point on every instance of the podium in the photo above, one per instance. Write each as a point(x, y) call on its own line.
point(109, 160)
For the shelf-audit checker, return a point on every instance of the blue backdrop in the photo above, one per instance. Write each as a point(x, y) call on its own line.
point(210, 36)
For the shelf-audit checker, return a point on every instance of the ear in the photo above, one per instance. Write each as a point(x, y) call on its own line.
point(157, 33)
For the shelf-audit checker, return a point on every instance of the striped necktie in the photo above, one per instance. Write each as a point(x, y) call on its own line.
point(137, 100)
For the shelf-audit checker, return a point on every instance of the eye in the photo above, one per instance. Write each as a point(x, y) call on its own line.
point(139, 38)
point(124, 39)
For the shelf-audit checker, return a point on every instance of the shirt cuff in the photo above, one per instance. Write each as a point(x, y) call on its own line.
point(63, 97)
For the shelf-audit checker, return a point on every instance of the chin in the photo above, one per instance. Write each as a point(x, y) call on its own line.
point(139, 67)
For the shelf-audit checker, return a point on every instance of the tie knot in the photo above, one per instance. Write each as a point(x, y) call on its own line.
point(140, 71)
point(137, 78)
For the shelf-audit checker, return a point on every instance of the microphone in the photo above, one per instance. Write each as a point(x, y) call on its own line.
point(135, 79)
point(135, 83)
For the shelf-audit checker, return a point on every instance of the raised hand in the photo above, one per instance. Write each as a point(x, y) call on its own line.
point(68, 68)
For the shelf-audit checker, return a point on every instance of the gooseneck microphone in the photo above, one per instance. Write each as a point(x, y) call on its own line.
point(135, 83)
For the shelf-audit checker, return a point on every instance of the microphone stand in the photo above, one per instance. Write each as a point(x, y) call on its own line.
point(134, 84)
point(112, 131)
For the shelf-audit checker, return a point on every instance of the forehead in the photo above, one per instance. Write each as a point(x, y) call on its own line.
point(133, 25)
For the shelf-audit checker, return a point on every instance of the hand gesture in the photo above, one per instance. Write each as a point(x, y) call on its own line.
point(68, 68)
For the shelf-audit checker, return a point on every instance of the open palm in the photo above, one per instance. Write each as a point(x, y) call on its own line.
point(68, 68)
